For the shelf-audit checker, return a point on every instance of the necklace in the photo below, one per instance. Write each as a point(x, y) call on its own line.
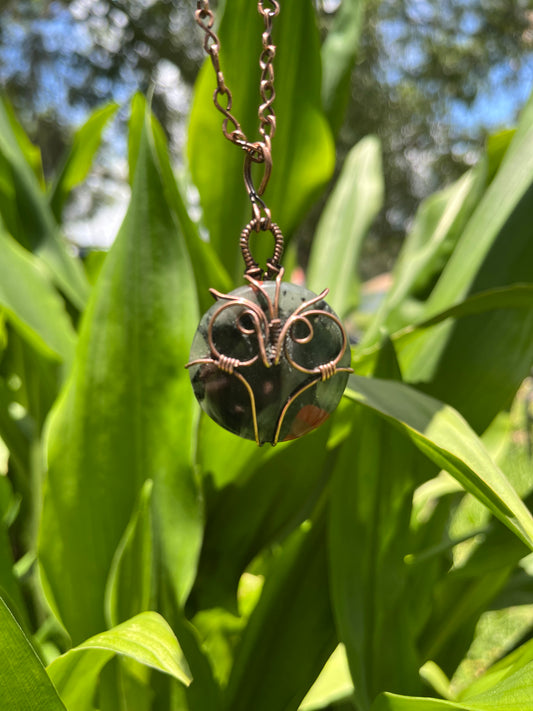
point(270, 360)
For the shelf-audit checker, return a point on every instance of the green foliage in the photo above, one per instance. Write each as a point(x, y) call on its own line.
point(25, 684)
point(154, 561)
point(351, 209)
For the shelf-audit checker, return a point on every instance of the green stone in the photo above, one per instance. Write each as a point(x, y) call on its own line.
point(252, 362)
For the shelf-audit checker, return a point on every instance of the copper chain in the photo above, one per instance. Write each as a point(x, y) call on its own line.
point(259, 151)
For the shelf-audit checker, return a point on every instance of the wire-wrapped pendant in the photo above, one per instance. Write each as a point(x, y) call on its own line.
point(270, 360)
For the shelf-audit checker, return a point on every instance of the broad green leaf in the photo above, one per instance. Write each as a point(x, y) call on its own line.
point(477, 364)
point(495, 247)
point(445, 437)
point(208, 269)
point(438, 225)
point(130, 583)
point(24, 684)
point(258, 510)
point(333, 684)
point(516, 300)
point(126, 415)
point(79, 159)
point(290, 634)
point(302, 149)
point(146, 638)
point(376, 473)
point(349, 212)
point(32, 304)
point(507, 685)
point(28, 218)
point(339, 53)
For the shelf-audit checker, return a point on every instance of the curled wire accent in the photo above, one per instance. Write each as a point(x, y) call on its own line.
point(259, 320)
point(325, 370)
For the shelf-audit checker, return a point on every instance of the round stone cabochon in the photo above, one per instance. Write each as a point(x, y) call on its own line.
point(249, 373)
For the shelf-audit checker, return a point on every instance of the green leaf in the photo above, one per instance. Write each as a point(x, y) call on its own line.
point(79, 159)
point(24, 685)
point(376, 474)
point(339, 52)
point(28, 218)
point(446, 438)
point(302, 149)
point(276, 493)
point(32, 304)
point(437, 227)
point(208, 269)
point(349, 212)
point(477, 364)
point(495, 248)
point(291, 628)
point(126, 415)
point(146, 638)
point(507, 685)
point(129, 586)
point(515, 298)
point(333, 684)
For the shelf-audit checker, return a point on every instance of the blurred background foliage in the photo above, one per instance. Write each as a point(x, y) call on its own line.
point(258, 557)
point(431, 79)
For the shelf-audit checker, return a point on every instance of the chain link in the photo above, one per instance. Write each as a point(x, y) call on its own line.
point(258, 151)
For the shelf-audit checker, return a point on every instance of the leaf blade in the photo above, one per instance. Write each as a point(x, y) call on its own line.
point(146, 638)
point(348, 214)
point(33, 305)
point(445, 437)
point(24, 684)
point(126, 414)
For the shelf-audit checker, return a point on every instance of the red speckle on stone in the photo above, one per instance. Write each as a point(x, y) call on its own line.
point(308, 418)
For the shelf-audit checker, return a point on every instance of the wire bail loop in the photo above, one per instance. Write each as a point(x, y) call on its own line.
point(273, 265)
